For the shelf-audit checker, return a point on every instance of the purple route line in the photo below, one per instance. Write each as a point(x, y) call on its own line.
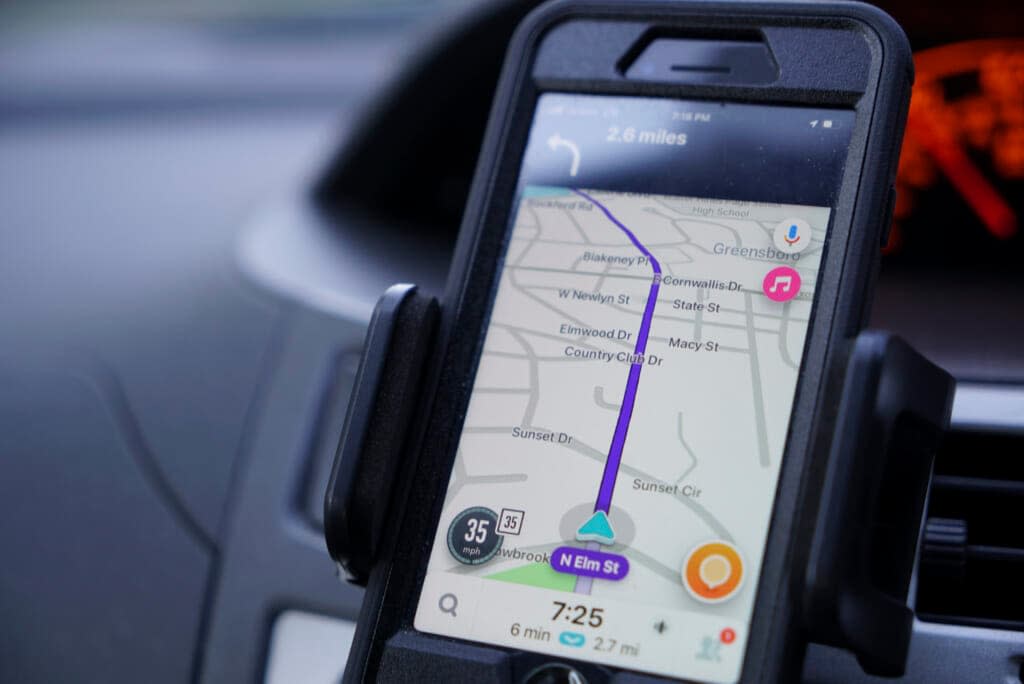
point(611, 466)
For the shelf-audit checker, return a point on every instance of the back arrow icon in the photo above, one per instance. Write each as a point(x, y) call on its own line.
point(556, 141)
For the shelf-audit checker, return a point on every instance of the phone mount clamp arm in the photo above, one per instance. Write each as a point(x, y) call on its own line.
point(374, 438)
point(893, 408)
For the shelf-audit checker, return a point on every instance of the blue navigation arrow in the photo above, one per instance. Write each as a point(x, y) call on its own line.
point(597, 529)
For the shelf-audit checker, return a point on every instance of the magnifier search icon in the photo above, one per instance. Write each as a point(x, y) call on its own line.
point(448, 603)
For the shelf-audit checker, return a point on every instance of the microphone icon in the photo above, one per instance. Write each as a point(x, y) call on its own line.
point(791, 237)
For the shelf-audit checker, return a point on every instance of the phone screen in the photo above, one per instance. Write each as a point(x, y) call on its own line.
point(618, 462)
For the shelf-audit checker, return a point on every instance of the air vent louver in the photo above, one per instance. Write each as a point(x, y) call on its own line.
point(972, 553)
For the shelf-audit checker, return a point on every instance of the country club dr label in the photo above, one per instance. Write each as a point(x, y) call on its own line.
point(589, 563)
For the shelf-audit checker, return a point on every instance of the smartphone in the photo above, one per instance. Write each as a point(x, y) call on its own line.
point(672, 235)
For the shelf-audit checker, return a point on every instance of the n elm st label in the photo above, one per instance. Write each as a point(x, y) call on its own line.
point(589, 563)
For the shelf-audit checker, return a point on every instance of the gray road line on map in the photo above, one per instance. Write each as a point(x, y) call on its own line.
point(524, 290)
point(657, 212)
point(577, 225)
point(698, 318)
point(608, 268)
point(772, 262)
point(666, 317)
point(686, 448)
point(552, 241)
point(698, 219)
point(550, 336)
point(545, 359)
point(726, 309)
point(709, 324)
point(755, 382)
point(567, 271)
point(585, 449)
point(536, 217)
point(679, 248)
point(553, 288)
point(671, 574)
point(762, 314)
point(575, 359)
point(735, 232)
point(669, 265)
point(668, 206)
point(676, 214)
point(462, 478)
point(758, 291)
point(601, 278)
point(783, 332)
point(600, 400)
point(526, 250)
point(531, 403)
point(689, 240)
point(814, 249)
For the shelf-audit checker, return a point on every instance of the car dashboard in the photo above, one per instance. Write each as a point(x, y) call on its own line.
point(198, 217)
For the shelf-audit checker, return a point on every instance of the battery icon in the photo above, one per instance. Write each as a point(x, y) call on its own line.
point(827, 123)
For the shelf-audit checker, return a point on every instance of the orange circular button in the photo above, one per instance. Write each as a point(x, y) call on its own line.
point(713, 571)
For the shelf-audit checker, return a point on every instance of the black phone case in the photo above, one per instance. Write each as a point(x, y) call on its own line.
point(869, 69)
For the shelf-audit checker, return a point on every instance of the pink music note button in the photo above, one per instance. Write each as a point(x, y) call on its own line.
point(781, 284)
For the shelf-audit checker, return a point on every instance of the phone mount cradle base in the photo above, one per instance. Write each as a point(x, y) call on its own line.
point(890, 412)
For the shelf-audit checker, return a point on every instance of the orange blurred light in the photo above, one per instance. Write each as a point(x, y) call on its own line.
point(988, 120)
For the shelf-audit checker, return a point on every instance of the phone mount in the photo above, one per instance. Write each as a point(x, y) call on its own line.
point(890, 414)
point(894, 408)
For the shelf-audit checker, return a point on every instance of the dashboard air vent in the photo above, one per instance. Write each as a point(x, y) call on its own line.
point(972, 553)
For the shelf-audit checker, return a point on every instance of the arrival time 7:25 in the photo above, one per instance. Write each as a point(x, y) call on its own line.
point(584, 616)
